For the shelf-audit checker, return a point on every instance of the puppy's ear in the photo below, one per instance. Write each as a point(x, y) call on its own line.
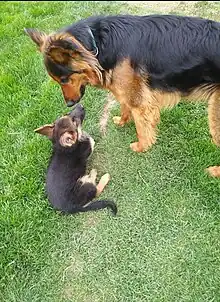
point(36, 36)
point(46, 130)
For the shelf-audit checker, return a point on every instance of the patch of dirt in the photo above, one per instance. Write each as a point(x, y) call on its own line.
point(68, 292)
point(91, 222)
point(110, 102)
point(161, 7)
point(74, 269)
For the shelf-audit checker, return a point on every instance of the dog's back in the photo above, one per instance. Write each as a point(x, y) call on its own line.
point(162, 45)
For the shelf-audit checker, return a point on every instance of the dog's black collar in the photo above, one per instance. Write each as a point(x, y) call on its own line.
point(96, 50)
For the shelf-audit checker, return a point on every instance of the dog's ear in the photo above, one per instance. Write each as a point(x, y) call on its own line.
point(62, 49)
point(36, 36)
point(46, 130)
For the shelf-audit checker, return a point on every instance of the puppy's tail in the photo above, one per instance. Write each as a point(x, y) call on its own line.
point(100, 204)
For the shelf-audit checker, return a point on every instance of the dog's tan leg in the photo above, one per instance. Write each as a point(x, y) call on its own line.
point(102, 183)
point(125, 115)
point(141, 103)
point(146, 120)
point(214, 117)
point(214, 171)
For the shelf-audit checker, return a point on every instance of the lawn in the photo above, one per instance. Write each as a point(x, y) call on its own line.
point(164, 244)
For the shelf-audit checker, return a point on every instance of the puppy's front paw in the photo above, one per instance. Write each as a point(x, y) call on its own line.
point(93, 175)
point(92, 143)
point(106, 177)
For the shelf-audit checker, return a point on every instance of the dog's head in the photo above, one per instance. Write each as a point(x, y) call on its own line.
point(65, 131)
point(68, 62)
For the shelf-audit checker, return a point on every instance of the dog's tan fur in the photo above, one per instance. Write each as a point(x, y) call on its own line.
point(142, 105)
point(137, 101)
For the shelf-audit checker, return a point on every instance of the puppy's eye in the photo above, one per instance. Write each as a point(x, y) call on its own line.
point(64, 80)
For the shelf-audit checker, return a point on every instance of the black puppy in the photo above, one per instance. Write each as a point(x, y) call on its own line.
point(68, 188)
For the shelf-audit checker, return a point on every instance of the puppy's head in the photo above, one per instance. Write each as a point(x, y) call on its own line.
point(65, 131)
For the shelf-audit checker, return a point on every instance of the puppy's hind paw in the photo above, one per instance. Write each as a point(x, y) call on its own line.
point(105, 179)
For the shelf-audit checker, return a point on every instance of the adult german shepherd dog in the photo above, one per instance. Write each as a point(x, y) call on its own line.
point(147, 62)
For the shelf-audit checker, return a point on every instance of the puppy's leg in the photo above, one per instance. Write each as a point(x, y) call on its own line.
point(102, 183)
point(92, 143)
point(88, 189)
point(93, 175)
point(87, 144)
point(85, 136)
point(90, 178)
point(214, 117)
point(125, 116)
point(146, 120)
point(87, 192)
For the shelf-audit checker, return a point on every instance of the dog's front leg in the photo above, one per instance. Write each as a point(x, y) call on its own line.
point(125, 115)
point(146, 120)
point(214, 117)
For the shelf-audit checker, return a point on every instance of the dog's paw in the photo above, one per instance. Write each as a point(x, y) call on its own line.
point(214, 171)
point(137, 147)
point(118, 121)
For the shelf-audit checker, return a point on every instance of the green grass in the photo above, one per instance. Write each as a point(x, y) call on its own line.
point(164, 244)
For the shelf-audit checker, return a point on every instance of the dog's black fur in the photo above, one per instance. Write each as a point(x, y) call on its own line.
point(67, 166)
point(177, 53)
point(147, 62)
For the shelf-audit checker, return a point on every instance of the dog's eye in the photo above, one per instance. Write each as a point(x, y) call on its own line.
point(77, 71)
point(64, 80)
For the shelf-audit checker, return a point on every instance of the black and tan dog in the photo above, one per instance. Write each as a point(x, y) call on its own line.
point(147, 62)
point(68, 189)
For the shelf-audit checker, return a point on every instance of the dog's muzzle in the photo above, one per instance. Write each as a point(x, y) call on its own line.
point(70, 103)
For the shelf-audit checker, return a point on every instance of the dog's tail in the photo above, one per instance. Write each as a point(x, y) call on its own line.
point(100, 204)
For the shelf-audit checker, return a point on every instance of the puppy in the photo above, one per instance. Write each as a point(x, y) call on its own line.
point(68, 188)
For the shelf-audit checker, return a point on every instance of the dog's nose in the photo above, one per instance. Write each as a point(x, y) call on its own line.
point(70, 103)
